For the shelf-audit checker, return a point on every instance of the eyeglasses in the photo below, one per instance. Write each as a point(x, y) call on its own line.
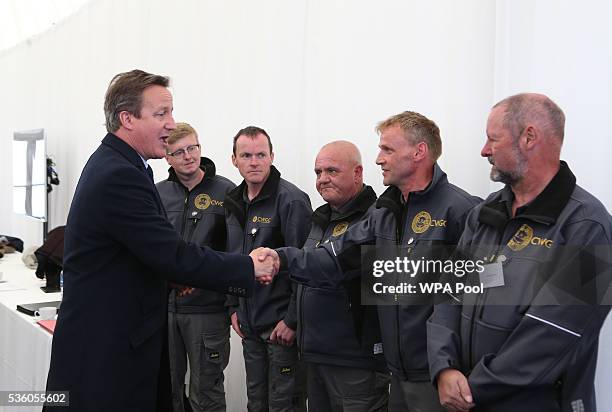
point(181, 152)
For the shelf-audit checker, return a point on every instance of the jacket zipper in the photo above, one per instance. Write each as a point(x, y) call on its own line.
point(300, 304)
point(481, 299)
point(192, 229)
point(397, 311)
point(183, 224)
point(246, 252)
point(185, 217)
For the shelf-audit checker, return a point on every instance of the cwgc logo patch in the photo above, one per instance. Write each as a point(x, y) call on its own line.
point(213, 355)
point(340, 228)
point(421, 222)
point(520, 240)
point(261, 219)
point(202, 201)
point(286, 370)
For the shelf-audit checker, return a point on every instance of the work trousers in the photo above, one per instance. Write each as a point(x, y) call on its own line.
point(342, 389)
point(275, 378)
point(203, 338)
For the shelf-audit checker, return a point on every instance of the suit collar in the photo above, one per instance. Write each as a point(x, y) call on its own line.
point(124, 149)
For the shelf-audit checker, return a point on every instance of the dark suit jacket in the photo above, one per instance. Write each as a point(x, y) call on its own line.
point(119, 251)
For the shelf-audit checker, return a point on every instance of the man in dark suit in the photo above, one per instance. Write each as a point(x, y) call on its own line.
point(109, 347)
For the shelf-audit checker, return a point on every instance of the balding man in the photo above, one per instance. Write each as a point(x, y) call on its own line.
point(337, 336)
point(528, 343)
point(418, 213)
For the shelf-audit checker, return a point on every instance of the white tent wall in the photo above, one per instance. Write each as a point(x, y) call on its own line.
point(310, 72)
point(563, 49)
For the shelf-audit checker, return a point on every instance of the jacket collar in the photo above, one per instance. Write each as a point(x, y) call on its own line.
point(207, 165)
point(545, 208)
point(358, 205)
point(234, 201)
point(392, 197)
point(124, 149)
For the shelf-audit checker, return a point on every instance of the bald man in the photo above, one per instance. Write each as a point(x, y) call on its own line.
point(410, 146)
point(337, 336)
point(533, 345)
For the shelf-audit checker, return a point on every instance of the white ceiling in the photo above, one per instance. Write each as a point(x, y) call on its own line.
point(22, 19)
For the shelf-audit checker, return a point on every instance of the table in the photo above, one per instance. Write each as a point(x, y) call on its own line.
point(25, 347)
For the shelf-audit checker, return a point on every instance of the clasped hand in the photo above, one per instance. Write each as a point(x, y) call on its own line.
point(454, 391)
point(266, 263)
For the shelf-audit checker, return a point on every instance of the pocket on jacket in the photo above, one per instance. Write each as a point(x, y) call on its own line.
point(488, 338)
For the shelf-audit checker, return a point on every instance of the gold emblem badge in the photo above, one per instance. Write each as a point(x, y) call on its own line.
point(421, 222)
point(202, 201)
point(261, 219)
point(521, 238)
point(340, 228)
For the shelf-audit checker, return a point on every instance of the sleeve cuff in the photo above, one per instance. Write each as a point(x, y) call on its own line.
point(283, 260)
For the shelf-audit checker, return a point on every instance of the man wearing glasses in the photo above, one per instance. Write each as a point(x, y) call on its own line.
point(198, 322)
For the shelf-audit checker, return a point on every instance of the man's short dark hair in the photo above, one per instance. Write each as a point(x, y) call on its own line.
point(251, 131)
point(125, 94)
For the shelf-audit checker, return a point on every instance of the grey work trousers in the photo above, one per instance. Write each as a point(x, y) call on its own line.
point(275, 378)
point(407, 396)
point(342, 389)
point(203, 338)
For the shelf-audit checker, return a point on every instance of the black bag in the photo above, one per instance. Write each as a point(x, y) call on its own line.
point(50, 258)
point(11, 241)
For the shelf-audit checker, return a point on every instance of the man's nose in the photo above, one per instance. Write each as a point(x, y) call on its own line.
point(485, 151)
point(171, 124)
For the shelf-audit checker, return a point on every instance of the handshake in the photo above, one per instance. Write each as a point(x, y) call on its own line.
point(266, 264)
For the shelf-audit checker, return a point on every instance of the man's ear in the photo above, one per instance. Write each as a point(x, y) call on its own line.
point(126, 119)
point(421, 152)
point(234, 160)
point(272, 157)
point(358, 173)
point(531, 137)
